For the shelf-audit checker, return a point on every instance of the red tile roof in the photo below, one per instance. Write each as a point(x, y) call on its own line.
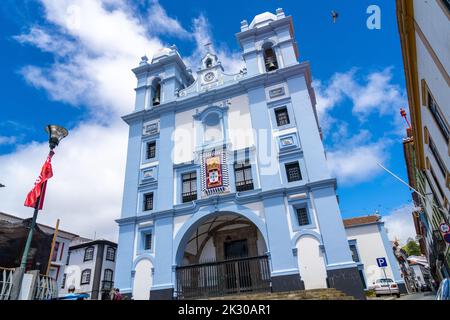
point(358, 221)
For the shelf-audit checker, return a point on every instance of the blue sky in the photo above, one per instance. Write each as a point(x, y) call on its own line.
point(69, 61)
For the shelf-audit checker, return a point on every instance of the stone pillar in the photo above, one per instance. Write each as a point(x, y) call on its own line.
point(284, 268)
point(342, 271)
point(163, 284)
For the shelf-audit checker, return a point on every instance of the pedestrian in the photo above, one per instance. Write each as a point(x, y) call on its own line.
point(112, 294)
point(117, 295)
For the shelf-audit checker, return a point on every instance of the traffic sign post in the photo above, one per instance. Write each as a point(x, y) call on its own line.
point(444, 228)
point(382, 263)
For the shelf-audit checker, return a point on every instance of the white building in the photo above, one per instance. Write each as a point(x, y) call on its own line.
point(421, 270)
point(90, 268)
point(368, 242)
point(424, 28)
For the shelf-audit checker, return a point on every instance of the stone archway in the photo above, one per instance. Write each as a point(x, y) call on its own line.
point(222, 253)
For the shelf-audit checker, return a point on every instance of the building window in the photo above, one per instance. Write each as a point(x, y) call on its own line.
point(302, 216)
point(282, 116)
point(189, 187)
point(243, 175)
point(148, 201)
point(107, 283)
point(148, 241)
point(55, 251)
point(63, 284)
point(86, 276)
point(89, 254)
point(437, 156)
point(293, 172)
point(436, 182)
point(68, 258)
point(110, 254)
point(354, 251)
point(151, 150)
point(270, 59)
point(438, 117)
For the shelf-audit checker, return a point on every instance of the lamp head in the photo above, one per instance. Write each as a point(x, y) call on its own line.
point(55, 135)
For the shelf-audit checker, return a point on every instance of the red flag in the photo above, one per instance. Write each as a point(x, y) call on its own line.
point(40, 184)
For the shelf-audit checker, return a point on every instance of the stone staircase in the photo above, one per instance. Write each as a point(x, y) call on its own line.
point(314, 294)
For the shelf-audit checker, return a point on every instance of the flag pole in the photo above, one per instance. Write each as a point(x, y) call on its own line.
point(18, 274)
point(23, 263)
point(55, 234)
point(56, 134)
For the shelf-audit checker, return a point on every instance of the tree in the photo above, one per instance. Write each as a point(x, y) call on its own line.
point(412, 248)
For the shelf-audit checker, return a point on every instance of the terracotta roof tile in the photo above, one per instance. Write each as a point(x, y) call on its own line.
point(357, 221)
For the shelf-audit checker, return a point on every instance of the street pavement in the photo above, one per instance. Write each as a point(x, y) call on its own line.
point(418, 296)
point(413, 296)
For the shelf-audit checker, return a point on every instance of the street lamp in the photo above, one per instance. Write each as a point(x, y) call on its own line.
point(56, 134)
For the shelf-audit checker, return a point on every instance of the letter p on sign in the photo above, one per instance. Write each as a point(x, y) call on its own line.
point(382, 262)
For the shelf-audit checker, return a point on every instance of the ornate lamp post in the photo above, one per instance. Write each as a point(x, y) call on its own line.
point(56, 134)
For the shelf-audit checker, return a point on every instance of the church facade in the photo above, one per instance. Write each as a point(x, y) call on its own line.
point(227, 188)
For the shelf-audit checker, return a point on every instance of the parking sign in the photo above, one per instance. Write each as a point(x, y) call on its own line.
point(382, 262)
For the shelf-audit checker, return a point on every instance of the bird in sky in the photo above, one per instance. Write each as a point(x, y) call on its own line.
point(334, 15)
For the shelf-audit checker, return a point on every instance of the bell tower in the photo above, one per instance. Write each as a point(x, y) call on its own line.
point(268, 42)
point(160, 80)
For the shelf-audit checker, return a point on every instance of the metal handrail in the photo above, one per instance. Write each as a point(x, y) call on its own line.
point(233, 276)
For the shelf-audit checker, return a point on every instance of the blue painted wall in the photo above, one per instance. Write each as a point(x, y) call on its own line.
point(268, 159)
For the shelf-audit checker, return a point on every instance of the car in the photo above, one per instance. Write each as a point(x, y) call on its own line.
point(443, 292)
point(386, 286)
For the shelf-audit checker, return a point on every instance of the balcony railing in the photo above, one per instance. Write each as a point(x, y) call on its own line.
point(244, 185)
point(223, 278)
point(189, 196)
point(46, 288)
point(6, 276)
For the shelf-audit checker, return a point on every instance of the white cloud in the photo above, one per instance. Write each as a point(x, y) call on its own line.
point(353, 163)
point(373, 94)
point(86, 189)
point(95, 44)
point(399, 224)
point(4, 140)
point(46, 42)
point(161, 23)
point(232, 61)
point(354, 157)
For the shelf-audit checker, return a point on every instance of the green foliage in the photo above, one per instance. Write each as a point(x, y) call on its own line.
point(412, 248)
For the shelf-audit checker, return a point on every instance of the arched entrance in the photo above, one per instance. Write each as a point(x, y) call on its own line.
point(224, 253)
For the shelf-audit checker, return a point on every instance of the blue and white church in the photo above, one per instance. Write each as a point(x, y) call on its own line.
point(227, 188)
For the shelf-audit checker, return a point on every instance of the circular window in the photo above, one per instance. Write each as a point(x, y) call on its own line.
point(212, 119)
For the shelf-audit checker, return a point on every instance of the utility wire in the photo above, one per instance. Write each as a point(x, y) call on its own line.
point(406, 184)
